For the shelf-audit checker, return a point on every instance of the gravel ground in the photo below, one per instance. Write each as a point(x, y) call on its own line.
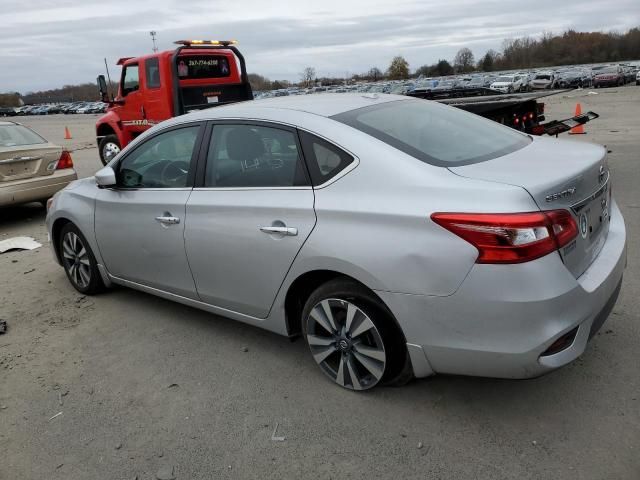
point(125, 385)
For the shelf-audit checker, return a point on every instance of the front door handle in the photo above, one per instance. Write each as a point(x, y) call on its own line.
point(168, 220)
point(288, 231)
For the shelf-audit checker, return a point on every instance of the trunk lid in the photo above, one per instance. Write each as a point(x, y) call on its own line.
point(559, 175)
point(26, 161)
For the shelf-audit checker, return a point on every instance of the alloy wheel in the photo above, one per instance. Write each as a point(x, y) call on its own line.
point(109, 151)
point(76, 259)
point(346, 344)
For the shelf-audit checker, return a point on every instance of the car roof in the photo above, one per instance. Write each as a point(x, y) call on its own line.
point(325, 105)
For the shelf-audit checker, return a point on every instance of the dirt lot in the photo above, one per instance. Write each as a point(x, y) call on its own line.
point(145, 386)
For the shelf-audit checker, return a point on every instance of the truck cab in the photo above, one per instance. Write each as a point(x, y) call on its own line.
point(153, 88)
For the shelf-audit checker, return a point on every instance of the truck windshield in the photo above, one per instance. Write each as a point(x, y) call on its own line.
point(203, 66)
point(434, 133)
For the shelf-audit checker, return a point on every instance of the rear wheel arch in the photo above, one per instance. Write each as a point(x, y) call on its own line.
point(302, 288)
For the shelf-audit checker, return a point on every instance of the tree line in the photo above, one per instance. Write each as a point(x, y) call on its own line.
point(568, 48)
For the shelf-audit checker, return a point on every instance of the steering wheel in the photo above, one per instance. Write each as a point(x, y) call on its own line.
point(172, 172)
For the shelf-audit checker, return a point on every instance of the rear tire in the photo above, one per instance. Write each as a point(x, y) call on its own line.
point(109, 147)
point(78, 261)
point(353, 338)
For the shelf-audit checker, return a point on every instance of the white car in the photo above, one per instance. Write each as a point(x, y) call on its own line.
point(507, 84)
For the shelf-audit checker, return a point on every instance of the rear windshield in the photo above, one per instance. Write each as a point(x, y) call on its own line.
point(203, 66)
point(17, 135)
point(434, 133)
point(543, 77)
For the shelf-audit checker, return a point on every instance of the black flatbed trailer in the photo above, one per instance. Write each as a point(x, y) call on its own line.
point(521, 111)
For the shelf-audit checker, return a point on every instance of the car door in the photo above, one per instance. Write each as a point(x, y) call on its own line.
point(249, 215)
point(132, 113)
point(139, 224)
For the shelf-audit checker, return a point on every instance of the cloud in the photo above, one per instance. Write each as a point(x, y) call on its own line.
point(49, 44)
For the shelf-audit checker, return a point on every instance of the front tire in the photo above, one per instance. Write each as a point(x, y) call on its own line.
point(78, 261)
point(109, 147)
point(352, 337)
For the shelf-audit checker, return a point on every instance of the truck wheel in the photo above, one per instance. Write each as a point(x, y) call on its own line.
point(109, 147)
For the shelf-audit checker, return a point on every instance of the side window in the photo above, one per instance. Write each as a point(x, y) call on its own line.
point(324, 159)
point(253, 156)
point(152, 72)
point(162, 161)
point(130, 80)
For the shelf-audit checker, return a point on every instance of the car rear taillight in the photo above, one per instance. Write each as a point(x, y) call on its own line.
point(511, 237)
point(65, 161)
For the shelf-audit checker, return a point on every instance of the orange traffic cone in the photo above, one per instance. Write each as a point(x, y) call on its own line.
point(578, 129)
point(67, 134)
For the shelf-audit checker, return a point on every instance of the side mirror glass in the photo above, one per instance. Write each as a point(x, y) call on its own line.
point(106, 177)
point(102, 86)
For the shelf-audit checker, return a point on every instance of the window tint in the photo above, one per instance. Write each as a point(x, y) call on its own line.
point(152, 72)
point(130, 80)
point(253, 156)
point(161, 162)
point(435, 133)
point(325, 160)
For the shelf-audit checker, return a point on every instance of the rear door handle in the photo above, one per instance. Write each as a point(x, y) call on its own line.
point(288, 231)
point(168, 220)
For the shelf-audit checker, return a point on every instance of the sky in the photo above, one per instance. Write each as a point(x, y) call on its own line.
point(47, 44)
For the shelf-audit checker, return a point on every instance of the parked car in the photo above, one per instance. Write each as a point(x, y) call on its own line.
point(612, 76)
point(31, 168)
point(638, 78)
point(398, 236)
point(447, 84)
point(574, 79)
point(507, 84)
point(544, 80)
point(8, 112)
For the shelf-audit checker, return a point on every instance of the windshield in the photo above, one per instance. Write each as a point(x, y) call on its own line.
point(504, 79)
point(609, 70)
point(543, 77)
point(434, 133)
point(16, 135)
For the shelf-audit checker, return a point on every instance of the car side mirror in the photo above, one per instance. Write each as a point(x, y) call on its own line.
point(102, 86)
point(106, 177)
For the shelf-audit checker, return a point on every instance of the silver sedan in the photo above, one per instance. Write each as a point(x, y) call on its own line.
point(398, 237)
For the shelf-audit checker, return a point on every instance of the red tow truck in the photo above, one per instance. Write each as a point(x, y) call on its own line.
point(152, 88)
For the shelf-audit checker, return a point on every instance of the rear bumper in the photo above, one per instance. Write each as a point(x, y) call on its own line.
point(36, 188)
point(504, 317)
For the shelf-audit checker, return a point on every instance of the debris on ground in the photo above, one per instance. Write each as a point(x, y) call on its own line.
point(29, 271)
point(119, 446)
point(173, 385)
point(245, 349)
point(273, 435)
point(56, 415)
point(3, 326)
point(165, 473)
point(18, 243)
point(420, 445)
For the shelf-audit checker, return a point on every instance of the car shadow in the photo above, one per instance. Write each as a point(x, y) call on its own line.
point(12, 216)
point(465, 395)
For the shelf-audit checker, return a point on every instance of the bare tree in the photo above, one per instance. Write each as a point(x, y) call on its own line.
point(464, 61)
point(374, 74)
point(308, 76)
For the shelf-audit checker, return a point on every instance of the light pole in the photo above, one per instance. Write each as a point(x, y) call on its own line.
point(153, 39)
